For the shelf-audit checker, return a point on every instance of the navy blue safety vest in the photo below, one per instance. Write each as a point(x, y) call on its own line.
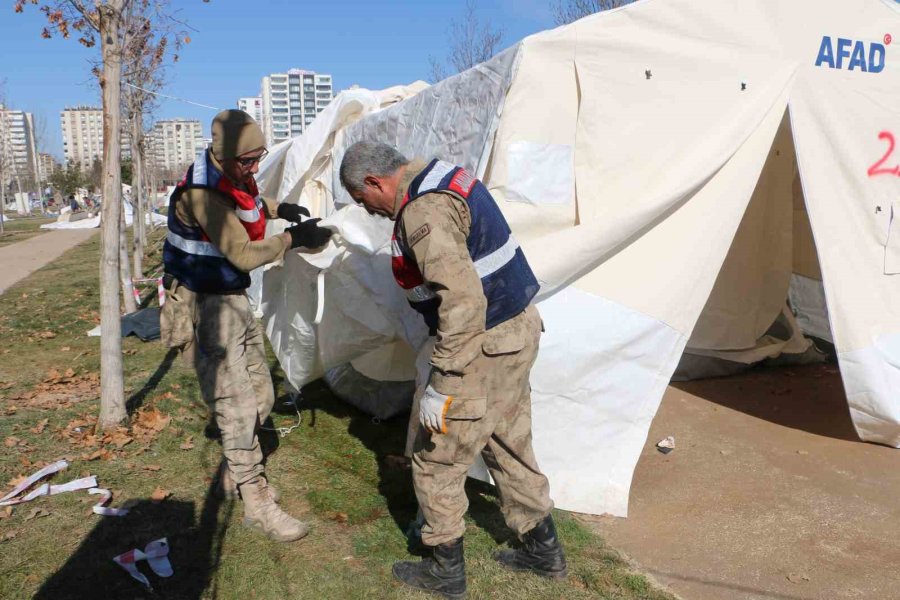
point(507, 280)
point(188, 255)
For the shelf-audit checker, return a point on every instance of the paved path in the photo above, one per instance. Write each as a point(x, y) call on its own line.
point(19, 260)
point(768, 495)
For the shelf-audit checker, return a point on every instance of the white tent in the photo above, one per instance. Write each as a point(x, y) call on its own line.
point(666, 167)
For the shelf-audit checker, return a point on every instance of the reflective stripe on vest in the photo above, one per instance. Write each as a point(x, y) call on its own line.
point(197, 247)
point(493, 262)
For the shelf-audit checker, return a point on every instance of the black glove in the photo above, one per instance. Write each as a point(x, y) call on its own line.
point(308, 235)
point(291, 212)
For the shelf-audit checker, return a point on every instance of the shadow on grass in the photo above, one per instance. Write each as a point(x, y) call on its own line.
point(137, 399)
point(195, 548)
point(388, 439)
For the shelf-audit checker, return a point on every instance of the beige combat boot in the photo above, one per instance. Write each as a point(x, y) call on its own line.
point(229, 488)
point(262, 514)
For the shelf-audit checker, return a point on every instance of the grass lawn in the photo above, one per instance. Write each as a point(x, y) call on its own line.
point(333, 471)
point(22, 228)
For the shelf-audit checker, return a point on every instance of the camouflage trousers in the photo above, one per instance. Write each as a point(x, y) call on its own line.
point(230, 360)
point(491, 415)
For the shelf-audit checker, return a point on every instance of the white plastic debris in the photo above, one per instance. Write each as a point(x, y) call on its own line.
point(155, 553)
point(666, 444)
point(101, 509)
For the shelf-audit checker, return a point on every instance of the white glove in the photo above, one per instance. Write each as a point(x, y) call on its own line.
point(432, 410)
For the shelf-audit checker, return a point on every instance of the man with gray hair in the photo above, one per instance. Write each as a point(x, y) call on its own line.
point(454, 255)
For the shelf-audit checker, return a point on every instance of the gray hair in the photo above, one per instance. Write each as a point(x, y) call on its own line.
point(368, 158)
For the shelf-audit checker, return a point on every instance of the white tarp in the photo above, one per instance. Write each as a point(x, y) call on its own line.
point(94, 222)
point(649, 160)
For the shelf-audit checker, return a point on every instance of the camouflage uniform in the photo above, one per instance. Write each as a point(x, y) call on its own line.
point(227, 348)
point(234, 378)
point(485, 371)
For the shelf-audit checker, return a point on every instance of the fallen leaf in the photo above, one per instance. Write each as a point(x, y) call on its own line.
point(11, 410)
point(98, 454)
point(159, 494)
point(46, 335)
point(7, 512)
point(797, 577)
point(25, 461)
point(9, 535)
point(37, 513)
point(339, 517)
point(120, 438)
point(70, 373)
point(188, 443)
point(152, 467)
point(11, 441)
point(65, 349)
point(39, 428)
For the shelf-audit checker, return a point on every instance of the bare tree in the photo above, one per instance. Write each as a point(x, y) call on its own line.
point(106, 19)
point(146, 50)
point(6, 155)
point(470, 43)
point(568, 11)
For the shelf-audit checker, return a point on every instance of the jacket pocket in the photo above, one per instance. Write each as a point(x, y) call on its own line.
point(177, 316)
point(506, 338)
point(466, 409)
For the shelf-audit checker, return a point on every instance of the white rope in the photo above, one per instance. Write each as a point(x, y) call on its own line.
point(137, 87)
point(284, 431)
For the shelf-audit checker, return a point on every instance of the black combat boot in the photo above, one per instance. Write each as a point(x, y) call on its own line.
point(442, 573)
point(540, 552)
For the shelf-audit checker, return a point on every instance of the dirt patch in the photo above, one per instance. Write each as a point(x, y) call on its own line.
point(768, 494)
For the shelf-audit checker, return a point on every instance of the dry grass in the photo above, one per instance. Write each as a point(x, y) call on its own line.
point(22, 228)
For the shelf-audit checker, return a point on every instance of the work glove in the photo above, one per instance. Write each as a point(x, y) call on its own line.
point(291, 212)
point(433, 410)
point(308, 234)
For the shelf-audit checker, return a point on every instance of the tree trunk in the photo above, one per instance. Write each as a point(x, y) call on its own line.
point(137, 192)
point(153, 199)
point(125, 266)
point(112, 393)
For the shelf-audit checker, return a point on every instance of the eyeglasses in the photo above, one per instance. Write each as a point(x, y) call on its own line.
point(251, 160)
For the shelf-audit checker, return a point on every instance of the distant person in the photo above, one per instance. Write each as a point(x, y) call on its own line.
point(217, 225)
point(73, 203)
point(456, 259)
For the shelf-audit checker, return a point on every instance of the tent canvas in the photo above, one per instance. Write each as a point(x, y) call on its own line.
point(666, 167)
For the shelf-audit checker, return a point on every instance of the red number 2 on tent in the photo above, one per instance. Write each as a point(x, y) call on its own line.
point(877, 169)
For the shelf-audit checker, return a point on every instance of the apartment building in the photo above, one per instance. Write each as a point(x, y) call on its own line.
point(291, 101)
point(252, 106)
point(82, 130)
point(46, 166)
point(174, 143)
point(18, 151)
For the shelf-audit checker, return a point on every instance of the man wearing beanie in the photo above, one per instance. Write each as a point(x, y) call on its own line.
point(217, 224)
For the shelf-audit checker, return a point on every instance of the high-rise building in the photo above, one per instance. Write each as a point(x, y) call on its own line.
point(174, 143)
point(46, 165)
point(291, 101)
point(18, 151)
point(82, 129)
point(252, 106)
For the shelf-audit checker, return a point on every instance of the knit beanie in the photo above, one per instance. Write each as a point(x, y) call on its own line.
point(234, 133)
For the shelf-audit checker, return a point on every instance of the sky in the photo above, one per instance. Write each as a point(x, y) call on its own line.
point(234, 43)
